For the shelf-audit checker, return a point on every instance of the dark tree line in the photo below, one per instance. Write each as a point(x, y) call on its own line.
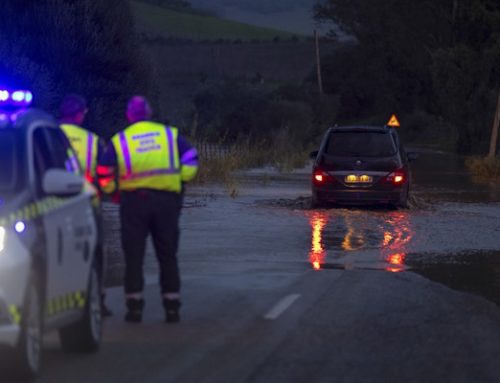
point(434, 62)
point(82, 46)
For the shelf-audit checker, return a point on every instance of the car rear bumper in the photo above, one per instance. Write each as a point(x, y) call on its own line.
point(358, 196)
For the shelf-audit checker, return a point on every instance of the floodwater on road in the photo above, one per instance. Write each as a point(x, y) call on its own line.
point(450, 234)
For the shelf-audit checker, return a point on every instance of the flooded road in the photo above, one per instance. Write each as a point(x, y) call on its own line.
point(451, 233)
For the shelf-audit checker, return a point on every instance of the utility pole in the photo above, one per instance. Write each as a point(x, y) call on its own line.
point(318, 63)
point(494, 131)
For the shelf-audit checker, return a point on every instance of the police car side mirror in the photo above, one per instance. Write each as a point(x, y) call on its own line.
point(61, 183)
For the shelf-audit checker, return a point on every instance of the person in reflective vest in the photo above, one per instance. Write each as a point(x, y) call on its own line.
point(87, 147)
point(152, 162)
point(86, 144)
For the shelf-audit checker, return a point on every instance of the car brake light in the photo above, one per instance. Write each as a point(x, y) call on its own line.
point(321, 177)
point(397, 177)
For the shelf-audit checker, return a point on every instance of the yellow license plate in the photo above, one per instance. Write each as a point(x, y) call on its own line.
point(355, 179)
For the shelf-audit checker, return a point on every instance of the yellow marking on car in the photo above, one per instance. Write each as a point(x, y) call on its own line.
point(70, 301)
point(15, 314)
point(37, 209)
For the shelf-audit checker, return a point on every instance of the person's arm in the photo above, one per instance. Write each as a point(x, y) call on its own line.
point(188, 159)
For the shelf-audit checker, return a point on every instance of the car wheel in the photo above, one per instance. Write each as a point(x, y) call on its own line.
point(316, 202)
point(24, 362)
point(403, 200)
point(86, 334)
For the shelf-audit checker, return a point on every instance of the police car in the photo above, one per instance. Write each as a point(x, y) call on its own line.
point(48, 240)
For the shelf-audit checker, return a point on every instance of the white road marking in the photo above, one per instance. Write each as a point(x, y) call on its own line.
point(280, 307)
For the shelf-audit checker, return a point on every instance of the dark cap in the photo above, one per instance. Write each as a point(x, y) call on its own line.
point(72, 104)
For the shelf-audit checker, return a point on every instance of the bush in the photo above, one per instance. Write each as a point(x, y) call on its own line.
point(487, 169)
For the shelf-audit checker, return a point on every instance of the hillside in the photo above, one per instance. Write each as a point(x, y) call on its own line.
point(294, 16)
point(166, 23)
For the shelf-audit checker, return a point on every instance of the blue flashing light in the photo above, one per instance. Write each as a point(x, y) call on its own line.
point(17, 98)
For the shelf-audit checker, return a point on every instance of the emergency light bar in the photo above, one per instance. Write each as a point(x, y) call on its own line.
point(17, 98)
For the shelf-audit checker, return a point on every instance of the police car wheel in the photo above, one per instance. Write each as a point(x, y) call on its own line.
point(86, 334)
point(25, 362)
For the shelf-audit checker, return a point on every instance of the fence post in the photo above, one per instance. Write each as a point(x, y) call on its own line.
point(494, 131)
point(318, 63)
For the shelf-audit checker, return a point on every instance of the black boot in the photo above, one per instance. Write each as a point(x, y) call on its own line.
point(172, 307)
point(105, 311)
point(134, 310)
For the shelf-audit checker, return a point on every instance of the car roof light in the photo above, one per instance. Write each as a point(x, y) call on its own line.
point(16, 97)
point(28, 97)
point(4, 95)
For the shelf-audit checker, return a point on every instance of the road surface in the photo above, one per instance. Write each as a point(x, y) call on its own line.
point(276, 292)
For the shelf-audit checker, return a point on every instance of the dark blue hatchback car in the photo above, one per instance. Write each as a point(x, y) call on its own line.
point(361, 165)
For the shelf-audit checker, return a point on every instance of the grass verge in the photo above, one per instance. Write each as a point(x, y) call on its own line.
point(486, 169)
point(220, 169)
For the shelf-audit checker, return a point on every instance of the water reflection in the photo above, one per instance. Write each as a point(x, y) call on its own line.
point(354, 239)
point(397, 235)
point(389, 239)
point(318, 253)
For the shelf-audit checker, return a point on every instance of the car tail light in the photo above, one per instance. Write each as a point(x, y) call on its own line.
point(320, 177)
point(397, 177)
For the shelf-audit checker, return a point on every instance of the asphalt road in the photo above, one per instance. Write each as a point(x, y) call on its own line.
point(275, 292)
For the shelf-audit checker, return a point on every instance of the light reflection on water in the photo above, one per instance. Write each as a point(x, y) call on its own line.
point(389, 238)
point(318, 253)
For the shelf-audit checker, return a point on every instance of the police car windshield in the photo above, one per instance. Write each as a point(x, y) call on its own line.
point(360, 144)
point(8, 160)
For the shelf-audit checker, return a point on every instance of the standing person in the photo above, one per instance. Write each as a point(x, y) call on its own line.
point(153, 162)
point(88, 147)
point(86, 144)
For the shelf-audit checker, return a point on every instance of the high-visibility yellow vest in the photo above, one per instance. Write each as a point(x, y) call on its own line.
point(148, 157)
point(85, 144)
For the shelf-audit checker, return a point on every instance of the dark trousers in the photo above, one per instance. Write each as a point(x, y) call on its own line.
point(145, 212)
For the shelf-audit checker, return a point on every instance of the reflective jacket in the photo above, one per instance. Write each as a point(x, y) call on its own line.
point(85, 144)
point(148, 157)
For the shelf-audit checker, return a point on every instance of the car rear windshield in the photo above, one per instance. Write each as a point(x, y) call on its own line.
point(9, 164)
point(360, 144)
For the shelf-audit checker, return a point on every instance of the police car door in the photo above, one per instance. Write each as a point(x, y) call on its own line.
point(69, 228)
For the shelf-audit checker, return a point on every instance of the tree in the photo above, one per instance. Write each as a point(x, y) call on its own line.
point(81, 46)
point(440, 57)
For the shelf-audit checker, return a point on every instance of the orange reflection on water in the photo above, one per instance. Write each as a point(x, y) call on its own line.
point(396, 237)
point(318, 221)
point(391, 238)
point(397, 260)
point(354, 239)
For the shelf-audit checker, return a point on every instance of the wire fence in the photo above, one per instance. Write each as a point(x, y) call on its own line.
point(210, 151)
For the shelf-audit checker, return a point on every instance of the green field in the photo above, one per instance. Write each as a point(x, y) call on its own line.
point(167, 23)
